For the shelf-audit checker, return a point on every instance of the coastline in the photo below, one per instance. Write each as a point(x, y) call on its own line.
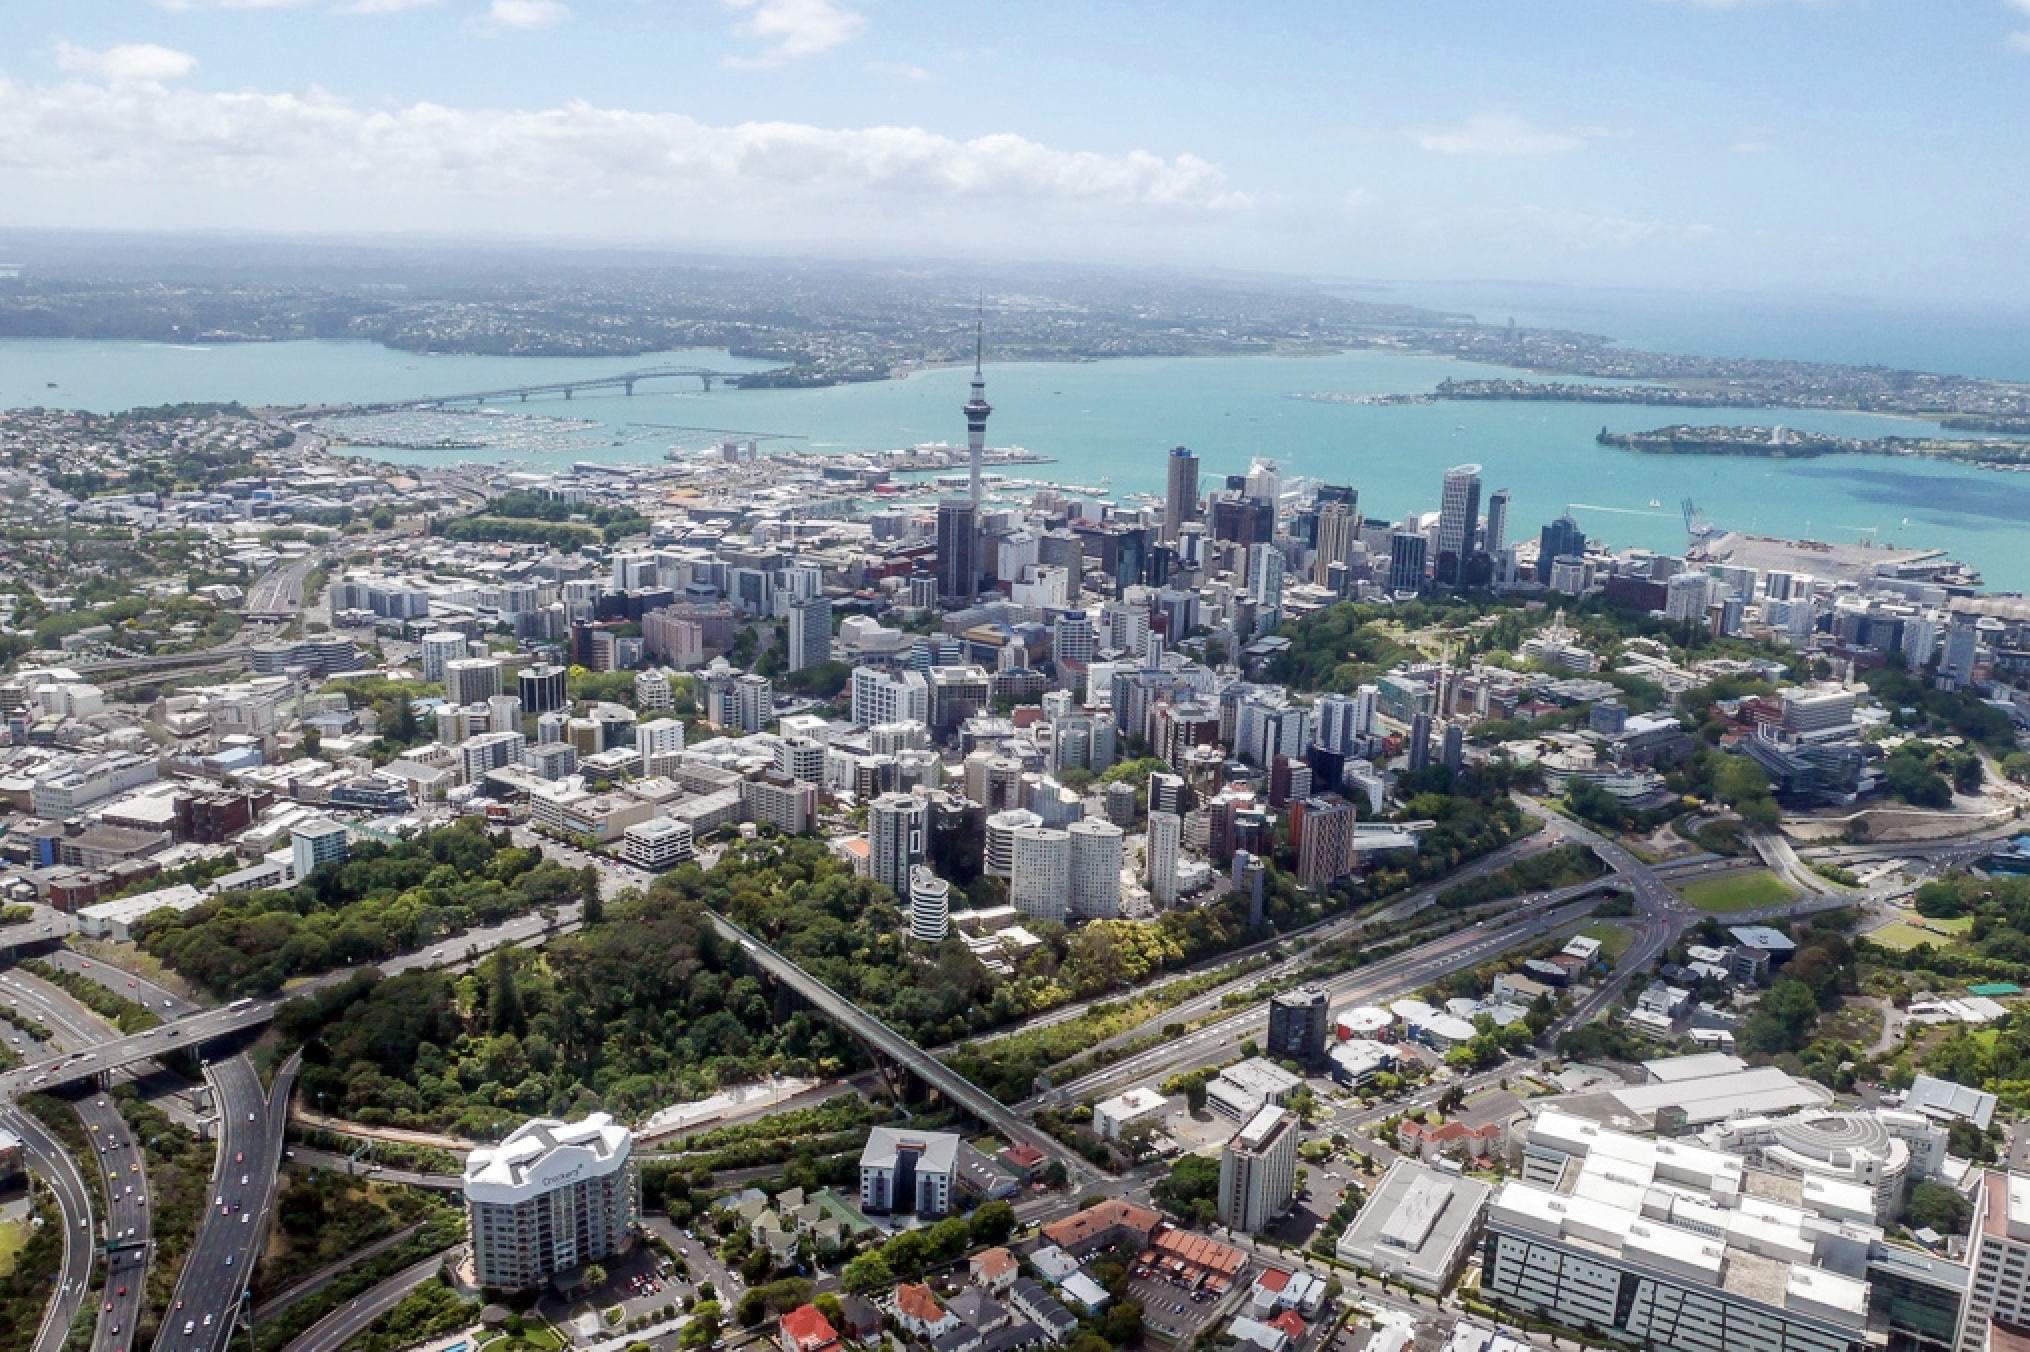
point(1780, 443)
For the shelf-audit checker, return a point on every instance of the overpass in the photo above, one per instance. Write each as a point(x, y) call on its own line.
point(624, 381)
point(888, 1045)
point(88, 1066)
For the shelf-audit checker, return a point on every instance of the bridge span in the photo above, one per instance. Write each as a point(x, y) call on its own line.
point(624, 381)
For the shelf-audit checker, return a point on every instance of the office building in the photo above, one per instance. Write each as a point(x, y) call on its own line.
point(543, 689)
point(1407, 550)
point(1999, 1255)
point(1165, 841)
point(1265, 577)
point(1562, 539)
point(1418, 1228)
point(1323, 827)
point(471, 680)
point(1041, 882)
point(1495, 538)
point(551, 1197)
point(1180, 496)
point(897, 835)
point(930, 906)
point(1095, 863)
point(1300, 1021)
point(810, 632)
point(1458, 515)
point(658, 737)
point(958, 568)
point(1685, 598)
point(1258, 1171)
point(658, 844)
point(908, 1172)
point(314, 843)
point(1338, 533)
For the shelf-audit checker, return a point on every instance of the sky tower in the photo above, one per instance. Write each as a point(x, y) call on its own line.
point(977, 409)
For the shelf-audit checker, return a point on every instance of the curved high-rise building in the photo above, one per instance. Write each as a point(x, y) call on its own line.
point(999, 860)
point(1095, 869)
point(930, 906)
point(1041, 881)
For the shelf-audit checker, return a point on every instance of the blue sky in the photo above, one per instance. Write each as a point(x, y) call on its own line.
point(1875, 147)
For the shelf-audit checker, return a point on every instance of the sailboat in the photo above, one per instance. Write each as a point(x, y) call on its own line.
point(1654, 503)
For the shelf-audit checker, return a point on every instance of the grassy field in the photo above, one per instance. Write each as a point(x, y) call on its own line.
point(1737, 892)
point(1905, 935)
point(12, 1237)
point(1614, 939)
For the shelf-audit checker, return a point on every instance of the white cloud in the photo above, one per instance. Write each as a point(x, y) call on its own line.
point(172, 156)
point(142, 61)
point(1500, 134)
point(792, 29)
point(185, 6)
point(901, 70)
point(382, 6)
point(523, 16)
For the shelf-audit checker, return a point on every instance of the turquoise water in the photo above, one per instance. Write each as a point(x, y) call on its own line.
point(1114, 421)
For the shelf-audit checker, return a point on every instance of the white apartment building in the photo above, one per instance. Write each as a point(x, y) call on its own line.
point(930, 906)
point(1095, 868)
point(1258, 1171)
point(550, 1197)
point(1163, 844)
point(317, 841)
point(889, 697)
point(658, 737)
point(1041, 883)
point(471, 680)
point(905, 1172)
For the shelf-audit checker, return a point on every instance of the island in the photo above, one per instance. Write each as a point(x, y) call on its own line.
point(1784, 443)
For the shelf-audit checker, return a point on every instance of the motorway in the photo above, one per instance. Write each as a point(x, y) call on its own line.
point(211, 1289)
point(339, 1327)
point(125, 984)
point(49, 1160)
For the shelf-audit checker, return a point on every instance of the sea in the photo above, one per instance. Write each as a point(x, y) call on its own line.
point(1107, 425)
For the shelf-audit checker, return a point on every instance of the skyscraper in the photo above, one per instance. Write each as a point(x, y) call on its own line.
point(1258, 1171)
point(810, 633)
point(1265, 576)
point(1095, 869)
point(897, 832)
point(1165, 840)
point(1561, 539)
point(1497, 522)
point(1180, 496)
point(1338, 531)
point(1458, 518)
point(977, 409)
point(958, 568)
point(1041, 881)
point(1265, 482)
point(1406, 561)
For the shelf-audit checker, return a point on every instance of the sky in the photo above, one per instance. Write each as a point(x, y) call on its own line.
point(1869, 147)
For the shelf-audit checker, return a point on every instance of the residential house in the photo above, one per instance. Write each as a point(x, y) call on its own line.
point(917, 1310)
point(805, 1329)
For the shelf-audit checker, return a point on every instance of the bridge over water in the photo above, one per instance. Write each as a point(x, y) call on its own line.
point(624, 381)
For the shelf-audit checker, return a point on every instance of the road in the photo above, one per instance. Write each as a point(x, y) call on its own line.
point(314, 1282)
point(125, 984)
point(345, 1164)
point(211, 1290)
point(339, 1327)
point(129, 1229)
point(47, 1157)
point(1394, 976)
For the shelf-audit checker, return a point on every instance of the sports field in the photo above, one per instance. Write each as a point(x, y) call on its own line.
point(1737, 892)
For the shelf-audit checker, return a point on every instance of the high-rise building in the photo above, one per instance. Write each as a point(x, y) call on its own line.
point(930, 906)
point(881, 697)
point(652, 691)
point(1459, 510)
point(1686, 597)
point(1455, 747)
point(1962, 650)
point(543, 689)
point(1562, 539)
point(898, 834)
point(810, 632)
point(1180, 497)
point(1265, 482)
point(1323, 832)
point(1041, 882)
point(471, 680)
point(1420, 741)
point(1338, 533)
point(1163, 843)
point(1496, 537)
point(958, 565)
point(552, 1196)
point(1407, 550)
point(1258, 1171)
point(1265, 576)
point(1095, 869)
point(1300, 1022)
point(1999, 1259)
point(444, 646)
point(316, 842)
point(658, 737)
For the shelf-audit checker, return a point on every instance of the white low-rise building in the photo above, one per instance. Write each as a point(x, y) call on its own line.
point(1115, 1113)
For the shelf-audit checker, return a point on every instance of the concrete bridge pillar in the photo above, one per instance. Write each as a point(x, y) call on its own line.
point(630, 389)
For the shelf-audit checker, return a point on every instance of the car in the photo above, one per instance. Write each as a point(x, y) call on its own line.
point(239, 1157)
point(250, 1117)
point(243, 1180)
point(123, 1290)
point(246, 1216)
point(229, 1260)
point(109, 1307)
point(207, 1321)
point(189, 1325)
point(179, 1305)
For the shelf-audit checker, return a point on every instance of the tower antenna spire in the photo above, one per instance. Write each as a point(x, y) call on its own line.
point(979, 337)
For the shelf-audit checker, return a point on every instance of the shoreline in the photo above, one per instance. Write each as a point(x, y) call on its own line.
point(1780, 443)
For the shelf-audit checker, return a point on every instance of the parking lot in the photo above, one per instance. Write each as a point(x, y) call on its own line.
point(1160, 1299)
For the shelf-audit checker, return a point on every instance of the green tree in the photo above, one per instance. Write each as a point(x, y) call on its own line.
point(1934, 1206)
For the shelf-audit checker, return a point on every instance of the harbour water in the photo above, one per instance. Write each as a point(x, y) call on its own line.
point(1107, 425)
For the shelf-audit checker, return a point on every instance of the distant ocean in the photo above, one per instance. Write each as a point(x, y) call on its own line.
point(1107, 424)
point(1849, 330)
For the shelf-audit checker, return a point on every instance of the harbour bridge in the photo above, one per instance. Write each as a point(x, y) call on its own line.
point(623, 380)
